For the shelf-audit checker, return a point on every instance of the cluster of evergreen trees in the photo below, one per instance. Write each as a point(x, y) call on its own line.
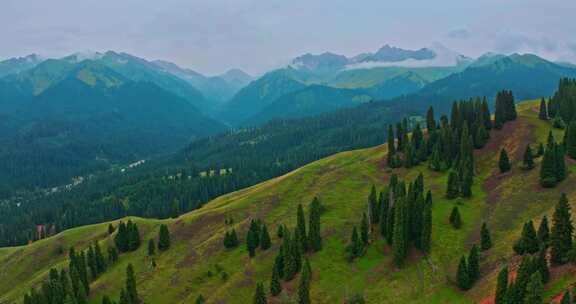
point(563, 103)
point(72, 285)
point(528, 286)
point(231, 239)
point(505, 109)
point(403, 217)
point(468, 269)
point(128, 237)
point(553, 166)
point(257, 236)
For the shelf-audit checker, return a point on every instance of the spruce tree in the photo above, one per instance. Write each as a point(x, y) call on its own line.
point(473, 265)
point(566, 298)
point(430, 121)
point(528, 242)
point(455, 218)
point(391, 159)
point(504, 162)
point(534, 290)
point(544, 232)
point(304, 284)
point(355, 248)
point(562, 229)
point(259, 295)
point(314, 237)
point(502, 286)
point(163, 238)
point(543, 113)
point(131, 290)
point(571, 140)
point(265, 242)
point(251, 242)
point(275, 286)
point(485, 239)
point(200, 300)
point(373, 206)
point(426, 229)
point(541, 265)
point(528, 159)
point(462, 276)
point(301, 228)
point(548, 169)
point(364, 230)
point(400, 232)
point(453, 187)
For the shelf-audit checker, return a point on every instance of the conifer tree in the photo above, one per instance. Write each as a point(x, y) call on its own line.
point(301, 228)
point(541, 265)
point(453, 188)
point(528, 159)
point(133, 236)
point(455, 218)
point(548, 169)
point(121, 238)
point(265, 242)
point(562, 229)
point(543, 113)
point(304, 284)
point(570, 141)
point(400, 232)
point(566, 298)
point(391, 160)
point(373, 206)
point(462, 276)
point(528, 242)
point(314, 237)
point(430, 121)
point(259, 295)
point(426, 229)
point(485, 239)
point(200, 299)
point(540, 151)
point(534, 290)
point(504, 162)
point(559, 162)
point(364, 230)
point(544, 232)
point(251, 242)
point(355, 248)
point(131, 291)
point(501, 286)
point(151, 247)
point(163, 238)
point(275, 286)
point(473, 265)
point(289, 256)
point(384, 203)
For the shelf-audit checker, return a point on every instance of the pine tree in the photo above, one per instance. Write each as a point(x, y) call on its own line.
point(259, 295)
point(570, 142)
point(151, 247)
point(453, 188)
point(400, 232)
point(355, 248)
point(543, 113)
point(502, 286)
point(566, 298)
point(462, 276)
point(364, 230)
point(426, 229)
point(275, 286)
point(541, 264)
point(304, 284)
point(528, 242)
point(391, 159)
point(485, 239)
point(131, 290)
point(548, 169)
point(455, 218)
point(473, 265)
point(163, 238)
point(544, 232)
point(562, 229)
point(314, 237)
point(301, 228)
point(133, 236)
point(373, 206)
point(528, 159)
point(251, 242)
point(430, 121)
point(121, 238)
point(535, 289)
point(265, 242)
point(504, 162)
point(560, 164)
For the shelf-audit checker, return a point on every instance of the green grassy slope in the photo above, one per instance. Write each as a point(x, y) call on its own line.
point(195, 262)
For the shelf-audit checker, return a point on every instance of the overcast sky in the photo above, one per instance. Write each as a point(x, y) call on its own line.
point(211, 36)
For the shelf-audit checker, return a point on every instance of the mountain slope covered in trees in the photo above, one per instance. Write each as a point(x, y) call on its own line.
point(197, 262)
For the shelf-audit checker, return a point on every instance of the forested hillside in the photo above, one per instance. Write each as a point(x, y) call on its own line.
point(440, 215)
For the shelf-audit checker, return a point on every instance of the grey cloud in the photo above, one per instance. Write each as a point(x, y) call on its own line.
point(459, 34)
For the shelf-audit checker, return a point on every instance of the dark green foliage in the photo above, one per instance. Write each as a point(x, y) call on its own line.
point(231, 239)
point(151, 247)
point(304, 284)
point(131, 291)
point(259, 295)
point(314, 237)
point(128, 237)
point(485, 239)
point(544, 232)
point(504, 162)
point(430, 121)
point(462, 276)
point(426, 229)
point(534, 290)
point(400, 241)
point(566, 298)
point(252, 239)
point(543, 113)
point(374, 212)
point(561, 234)
point(301, 228)
point(455, 218)
point(541, 264)
point(501, 286)
point(163, 238)
point(528, 242)
point(570, 141)
point(355, 248)
point(528, 158)
point(275, 286)
point(200, 300)
point(364, 230)
point(558, 123)
point(265, 242)
point(110, 229)
point(473, 265)
point(453, 188)
point(505, 109)
point(553, 167)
